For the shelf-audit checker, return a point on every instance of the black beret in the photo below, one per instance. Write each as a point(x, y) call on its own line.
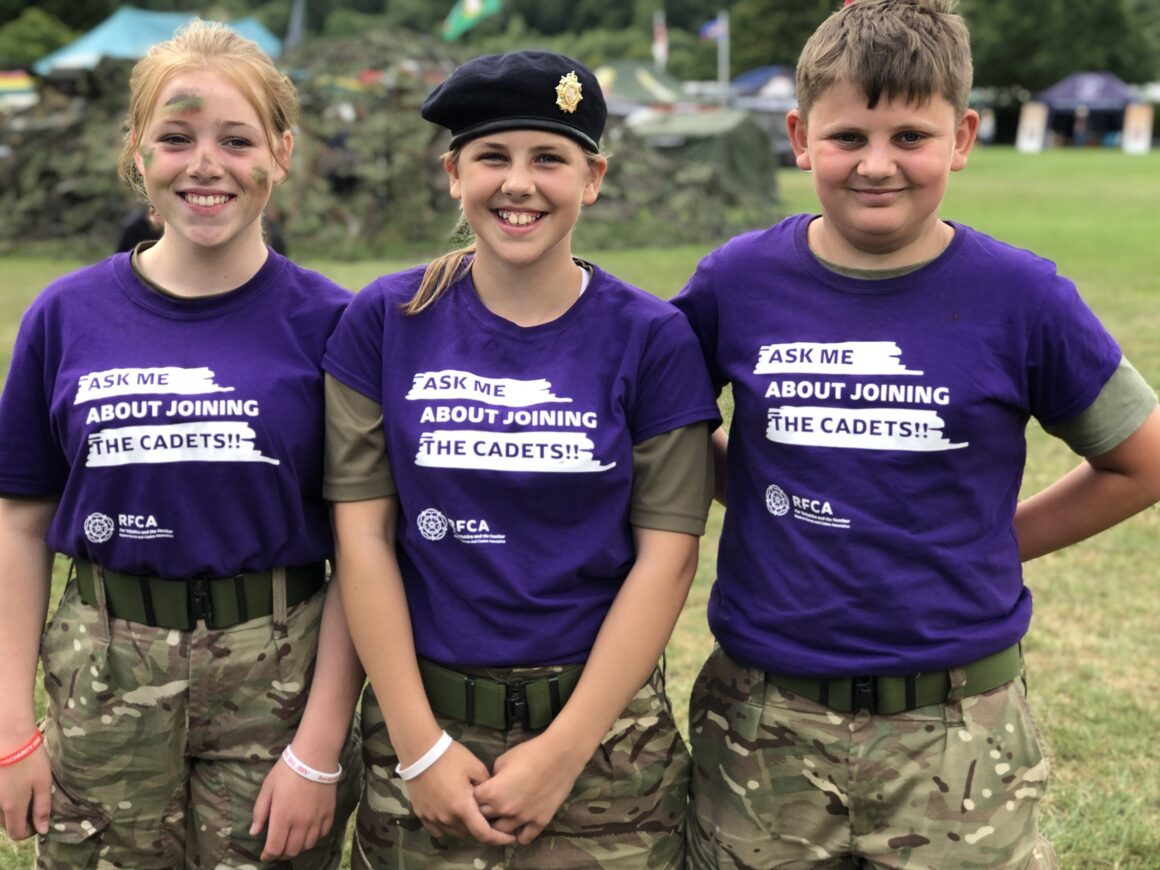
point(520, 90)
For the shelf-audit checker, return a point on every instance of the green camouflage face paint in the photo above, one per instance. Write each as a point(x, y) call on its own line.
point(179, 104)
point(259, 175)
point(146, 156)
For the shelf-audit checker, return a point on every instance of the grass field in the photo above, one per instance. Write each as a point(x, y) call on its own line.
point(1093, 649)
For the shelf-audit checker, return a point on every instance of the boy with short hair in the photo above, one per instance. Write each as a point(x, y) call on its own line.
point(865, 705)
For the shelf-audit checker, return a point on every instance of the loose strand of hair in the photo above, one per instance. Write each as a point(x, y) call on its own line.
point(440, 274)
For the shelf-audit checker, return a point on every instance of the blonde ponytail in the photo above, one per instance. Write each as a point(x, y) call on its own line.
point(441, 273)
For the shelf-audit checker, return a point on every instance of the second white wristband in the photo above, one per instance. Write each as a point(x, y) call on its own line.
point(428, 758)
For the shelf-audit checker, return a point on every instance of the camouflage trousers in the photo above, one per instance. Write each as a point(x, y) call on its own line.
point(779, 781)
point(159, 740)
point(626, 810)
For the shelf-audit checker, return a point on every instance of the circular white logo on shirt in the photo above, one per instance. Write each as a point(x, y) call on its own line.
point(432, 524)
point(99, 527)
point(776, 501)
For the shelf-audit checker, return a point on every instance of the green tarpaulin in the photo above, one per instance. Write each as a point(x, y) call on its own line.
point(729, 139)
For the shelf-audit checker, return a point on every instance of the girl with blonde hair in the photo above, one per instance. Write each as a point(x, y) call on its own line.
point(161, 427)
point(518, 450)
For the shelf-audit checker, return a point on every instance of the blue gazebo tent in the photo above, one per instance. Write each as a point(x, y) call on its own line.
point(772, 80)
point(128, 33)
point(1087, 107)
point(1094, 91)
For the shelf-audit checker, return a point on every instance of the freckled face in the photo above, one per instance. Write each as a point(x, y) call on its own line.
point(207, 166)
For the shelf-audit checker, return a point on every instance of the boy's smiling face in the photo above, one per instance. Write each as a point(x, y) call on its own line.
point(880, 174)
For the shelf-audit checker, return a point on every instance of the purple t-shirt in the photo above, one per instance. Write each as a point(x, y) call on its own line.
point(183, 437)
point(511, 448)
point(877, 446)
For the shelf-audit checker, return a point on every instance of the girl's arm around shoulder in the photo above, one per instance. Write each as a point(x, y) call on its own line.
point(1103, 491)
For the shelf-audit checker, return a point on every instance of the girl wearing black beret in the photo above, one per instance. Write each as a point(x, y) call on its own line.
point(519, 456)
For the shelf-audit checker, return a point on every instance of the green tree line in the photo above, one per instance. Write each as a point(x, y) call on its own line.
point(1032, 43)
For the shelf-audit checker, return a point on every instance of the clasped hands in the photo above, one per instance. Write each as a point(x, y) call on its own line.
point(458, 797)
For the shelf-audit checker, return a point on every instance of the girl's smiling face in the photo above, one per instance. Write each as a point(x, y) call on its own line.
point(206, 163)
point(522, 191)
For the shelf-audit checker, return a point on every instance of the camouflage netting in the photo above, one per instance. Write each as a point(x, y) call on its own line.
point(58, 172)
point(366, 173)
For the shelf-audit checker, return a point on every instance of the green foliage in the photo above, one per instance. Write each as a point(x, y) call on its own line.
point(30, 37)
point(418, 15)
point(691, 14)
point(275, 15)
point(349, 22)
point(591, 47)
point(76, 14)
point(690, 58)
point(367, 7)
point(1146, 15)
point(1035, 43)
point(172, 5)
point(764, 32)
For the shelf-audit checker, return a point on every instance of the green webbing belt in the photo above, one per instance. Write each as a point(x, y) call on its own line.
point(888, 695)
point(478, 700)
point(179, 604)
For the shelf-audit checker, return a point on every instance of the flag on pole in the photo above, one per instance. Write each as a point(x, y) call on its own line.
point(717, 30)
point(465, 14)
point(712, 30)
point(660, 44)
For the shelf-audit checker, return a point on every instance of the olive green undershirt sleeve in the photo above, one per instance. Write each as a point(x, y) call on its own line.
point(356, 466)
point(672, 480)
point(1123, 404)
point(672, 473)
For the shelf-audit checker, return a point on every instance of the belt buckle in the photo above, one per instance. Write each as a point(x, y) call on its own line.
point(515, 706)
point(200, 602)
point(862, 695)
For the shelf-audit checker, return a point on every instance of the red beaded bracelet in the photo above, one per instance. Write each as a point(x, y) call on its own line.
point(24, 751)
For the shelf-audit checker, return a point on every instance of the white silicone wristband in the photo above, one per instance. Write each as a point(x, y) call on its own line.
point(307, 772)
point(432, 755)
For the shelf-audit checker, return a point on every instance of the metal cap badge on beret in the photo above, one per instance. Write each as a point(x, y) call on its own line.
point(520, 90)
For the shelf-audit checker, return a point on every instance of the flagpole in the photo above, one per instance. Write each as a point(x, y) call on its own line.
point(660, 46)
point(296, 28)
point(723, 54)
